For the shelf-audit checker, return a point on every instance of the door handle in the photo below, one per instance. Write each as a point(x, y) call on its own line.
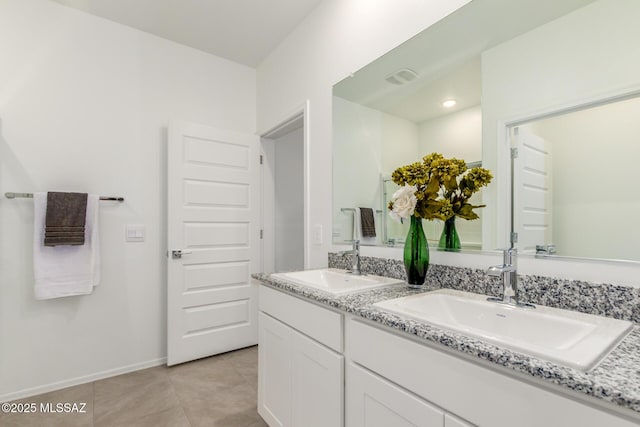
point(177, 254)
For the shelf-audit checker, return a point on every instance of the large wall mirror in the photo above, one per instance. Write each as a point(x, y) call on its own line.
point(514, 68)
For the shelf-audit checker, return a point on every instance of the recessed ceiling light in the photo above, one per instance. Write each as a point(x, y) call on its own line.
point(449, 103)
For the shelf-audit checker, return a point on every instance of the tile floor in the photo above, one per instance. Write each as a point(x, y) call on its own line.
point(219, 391)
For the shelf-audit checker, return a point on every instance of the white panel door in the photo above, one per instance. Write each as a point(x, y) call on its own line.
point(212, 217)
point(375, 402)
point(532, 191)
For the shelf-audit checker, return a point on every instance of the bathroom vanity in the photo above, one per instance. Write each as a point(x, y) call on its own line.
point(301, 362)
point(400, 370)
point(337, 360)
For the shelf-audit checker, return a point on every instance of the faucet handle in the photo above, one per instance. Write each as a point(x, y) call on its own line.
point(509, 256)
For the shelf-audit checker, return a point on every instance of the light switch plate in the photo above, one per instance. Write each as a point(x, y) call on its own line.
point(134, 233)
point(317, 234)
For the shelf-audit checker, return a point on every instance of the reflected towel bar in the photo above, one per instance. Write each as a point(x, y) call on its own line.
point(353, 210)
point(30, 196)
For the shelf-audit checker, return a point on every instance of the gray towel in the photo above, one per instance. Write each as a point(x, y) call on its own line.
point(65, 219)
point(367, 222)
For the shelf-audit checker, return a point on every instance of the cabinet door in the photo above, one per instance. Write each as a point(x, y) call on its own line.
point(375, 402)
point(274, 371)
point(318, 384)
point(451, 421)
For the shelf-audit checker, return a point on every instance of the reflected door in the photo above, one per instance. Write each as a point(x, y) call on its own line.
point(532, 192)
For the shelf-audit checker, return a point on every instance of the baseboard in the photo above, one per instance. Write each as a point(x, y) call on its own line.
point(33, 391)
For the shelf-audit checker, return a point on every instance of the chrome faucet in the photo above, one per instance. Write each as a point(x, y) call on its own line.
point(355, 258)
point(544, 250)
point(509, 274)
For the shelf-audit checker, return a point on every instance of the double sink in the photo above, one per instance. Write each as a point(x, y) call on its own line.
point(569, 338)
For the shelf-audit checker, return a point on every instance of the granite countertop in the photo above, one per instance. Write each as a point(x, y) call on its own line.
point(615, 379)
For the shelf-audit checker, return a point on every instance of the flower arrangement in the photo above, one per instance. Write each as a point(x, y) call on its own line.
point(437, 188)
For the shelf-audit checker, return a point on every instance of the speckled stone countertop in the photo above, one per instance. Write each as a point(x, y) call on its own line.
point(616, 379)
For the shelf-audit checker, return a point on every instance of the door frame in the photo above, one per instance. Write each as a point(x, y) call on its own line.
point(268, 184)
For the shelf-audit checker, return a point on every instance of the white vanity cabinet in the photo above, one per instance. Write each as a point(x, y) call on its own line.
point(409, 383)
point(373, 401)
point(301, 368)
point(321, 368)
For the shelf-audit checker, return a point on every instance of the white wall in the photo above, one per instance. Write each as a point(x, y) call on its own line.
point(368, 143)
point(400, 143)
point(289, 201)
point(456, 135)
point(84, 105)
point(595, 154)
point(337, 38)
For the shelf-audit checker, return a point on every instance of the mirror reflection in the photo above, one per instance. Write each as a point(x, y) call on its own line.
point(545, 60)
point(574, 182)
point(370, 144)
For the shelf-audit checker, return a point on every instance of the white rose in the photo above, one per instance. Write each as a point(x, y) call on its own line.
point(404, 202)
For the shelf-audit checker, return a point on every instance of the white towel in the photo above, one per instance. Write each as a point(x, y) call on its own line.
point(62, 271)
point(357, 230)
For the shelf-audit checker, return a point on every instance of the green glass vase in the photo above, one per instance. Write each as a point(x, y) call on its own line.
point(416, 254)
point(449, 240)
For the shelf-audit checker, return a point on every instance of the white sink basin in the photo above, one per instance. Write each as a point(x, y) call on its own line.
point(335, 281)
point(566, 337)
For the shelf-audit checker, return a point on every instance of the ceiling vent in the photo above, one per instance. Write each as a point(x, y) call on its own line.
point(402, 76)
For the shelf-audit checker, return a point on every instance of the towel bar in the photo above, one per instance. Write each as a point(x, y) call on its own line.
point(10, 195)
point(353, 210)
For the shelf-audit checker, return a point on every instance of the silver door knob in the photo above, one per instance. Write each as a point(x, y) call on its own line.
point(177, 254)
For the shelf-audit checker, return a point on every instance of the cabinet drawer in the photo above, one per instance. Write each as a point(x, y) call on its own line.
point(324, 326)
point(375, 402)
